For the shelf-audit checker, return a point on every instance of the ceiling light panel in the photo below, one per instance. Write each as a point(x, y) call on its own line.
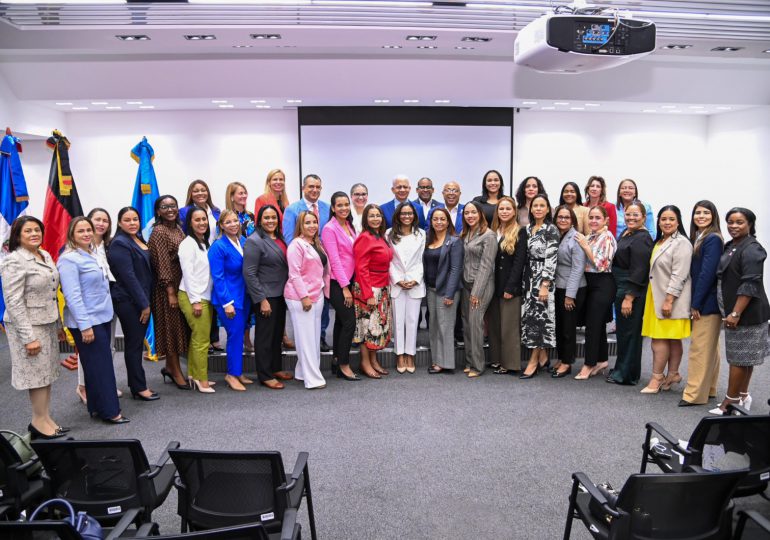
point(133, 37)
point(421, 38)
point(265, 36)
point(200, 37)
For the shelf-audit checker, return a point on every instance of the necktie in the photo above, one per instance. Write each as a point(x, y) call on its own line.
point(314, 209)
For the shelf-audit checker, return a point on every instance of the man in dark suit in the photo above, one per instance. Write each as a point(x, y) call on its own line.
point(425, 198)
point(401, 189)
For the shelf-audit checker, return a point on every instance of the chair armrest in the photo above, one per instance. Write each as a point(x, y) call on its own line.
point(674, 442)
point(289, 525)
point(122, 526)
point(164, 457)
point(582, 479)
point(17, 477)
point(695, 469)
point(754, 516)
point(299, 468)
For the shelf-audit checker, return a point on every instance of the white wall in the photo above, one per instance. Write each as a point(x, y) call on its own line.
point(24, 118)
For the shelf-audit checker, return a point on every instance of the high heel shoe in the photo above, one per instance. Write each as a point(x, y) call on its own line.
point(719, 411)
point(400, 367)
point(37, 434)
point(524, 376)
point(544, 367)
point(745, 402)
point(556, 374)
point(119, 420)
point(167, 374)
point(152, 397)
point(672, 379)
point(411, 368)
point(379, 369)
point(245, 380)
point(598, 368)
point(234, 383)
point(341, 375)
point(81, 395)
point(651, 387)
point(197, 386)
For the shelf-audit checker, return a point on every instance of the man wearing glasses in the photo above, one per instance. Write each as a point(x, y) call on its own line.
point(425, 198)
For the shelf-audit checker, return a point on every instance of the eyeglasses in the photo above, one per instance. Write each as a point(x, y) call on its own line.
point(360, 194)
point(425, 187)
point(168, 207)
point(451, 190)
point(565, 218)
point(635, 214)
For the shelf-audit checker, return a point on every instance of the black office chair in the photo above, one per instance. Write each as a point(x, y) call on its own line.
point(684, 506)
point(760, 522)
point(717, 443)
point(252, 531)
point(106, 478)
point(221, 489)
point(21, 487)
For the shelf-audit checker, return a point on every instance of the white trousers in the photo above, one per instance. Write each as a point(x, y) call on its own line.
point(307, 339)
point(406, 314)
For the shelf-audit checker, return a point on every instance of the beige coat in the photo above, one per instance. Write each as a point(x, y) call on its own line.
point(29, 289)
point(670, 274)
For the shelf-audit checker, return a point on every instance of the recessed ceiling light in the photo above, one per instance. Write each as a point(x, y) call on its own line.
point(411, 101)
point(675, 111)
point(461, 48)
point(766, 51)
point(561, 103)
point(577, 108)
point(696, 107)
point(427, 47)
point(529, 102)
point(727, 49)
point(391, 46)
point(593, 104)
point(441, 101)
point(382, 101)
point(724, 108)
point(133, 37)
point(99, 103)
point(285, 46)
point(242, 46)
point(133, 102)
point(200, 37)
point(218, 101)
point(64, 103)
point(257, 101)
point(677, 47)
point(265, 36)
point(476, 39)
point(668, 106)
point(293, 101)
point(548, 108)
point(263, 106)
point(147, 107)
point(421, 38)
point(79, 108)
point(114, 108)
point(228, 106)
point(649, 110)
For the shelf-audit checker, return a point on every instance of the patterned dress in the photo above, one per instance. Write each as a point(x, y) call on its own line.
point(170, 327)
point(538, 320)
point(247, 223)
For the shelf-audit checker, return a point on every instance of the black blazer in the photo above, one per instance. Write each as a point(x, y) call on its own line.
point(740, 272)
point(509, 268)
point(450, 267)
point(130, 265)
point(265, 269)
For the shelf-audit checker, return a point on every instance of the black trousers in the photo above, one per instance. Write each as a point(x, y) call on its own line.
point(566, 325)
point(344, 324)
point(600, 294)
point(98, 372)
point(268, 335)
point(133, 344)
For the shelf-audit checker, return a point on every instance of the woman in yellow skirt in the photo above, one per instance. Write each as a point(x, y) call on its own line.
point(667, 308)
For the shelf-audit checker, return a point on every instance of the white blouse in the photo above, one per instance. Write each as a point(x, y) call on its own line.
point(196, 276)
point(406, 264)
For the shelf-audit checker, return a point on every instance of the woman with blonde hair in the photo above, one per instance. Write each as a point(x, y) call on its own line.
point(236, 195)
point(275, 193)
point(504, 312)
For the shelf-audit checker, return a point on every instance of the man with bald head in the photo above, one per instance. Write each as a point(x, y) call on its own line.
point(451, 194)
point(401, 189)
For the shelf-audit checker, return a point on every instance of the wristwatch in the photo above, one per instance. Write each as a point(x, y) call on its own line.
point(735, 315)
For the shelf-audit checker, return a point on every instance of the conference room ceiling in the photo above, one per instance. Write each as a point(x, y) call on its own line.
point(281, 40)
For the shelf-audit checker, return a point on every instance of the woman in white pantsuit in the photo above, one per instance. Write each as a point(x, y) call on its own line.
point(304, 292)
point(407, 287)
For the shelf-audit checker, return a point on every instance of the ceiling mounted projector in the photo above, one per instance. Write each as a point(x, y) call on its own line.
point(576, 43)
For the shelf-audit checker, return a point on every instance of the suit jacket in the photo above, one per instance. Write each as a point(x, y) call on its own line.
point(291, 213)
point(86, 289)
point(131, 267)
point(704, 275)
point(670, 274)
point(268, 199)
point(308, 276)
point(265, 269)
point(433, 204)
point(570, 264)
point(406, 265)
point(389, 208)
point(479, 262)
point(29, 291)
point(509, 268)
point(450, 267)
point(458, 221)
point(339, 247)
point(226, 265)
point(741, 270)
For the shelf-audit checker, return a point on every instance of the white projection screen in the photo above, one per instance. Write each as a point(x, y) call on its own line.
point(442, 144)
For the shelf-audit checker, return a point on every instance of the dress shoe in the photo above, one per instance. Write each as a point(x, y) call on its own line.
point(196, 385)
point(555, 374)
point(152, 397)
point(324, 346)
point(245, 380)
point(234, 383)
point(745, 401)
point(435, 369)
point(683, 403)
point(119, 420)
point(655, 384)
point(81, 393)
point(672, 379)
point(283, 375)
point(167, 375)
point(273, 384)
point(36, 434)
point(532, 375)
point(61, 429)
point(341, 375)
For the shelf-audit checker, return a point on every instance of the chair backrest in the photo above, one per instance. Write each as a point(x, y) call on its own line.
point(686, 506)
point(725, 443)
point(48, 530)
point(252, 531)
point(228, 488)
point(99, 477)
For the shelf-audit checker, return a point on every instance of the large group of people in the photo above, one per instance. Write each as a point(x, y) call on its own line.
point(510, 271)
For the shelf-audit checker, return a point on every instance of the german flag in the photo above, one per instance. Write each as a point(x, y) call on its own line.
point(61, 199)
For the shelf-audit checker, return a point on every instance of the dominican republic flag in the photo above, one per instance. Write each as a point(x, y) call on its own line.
point(14, 198)
point(61, 198)
point(145, 195)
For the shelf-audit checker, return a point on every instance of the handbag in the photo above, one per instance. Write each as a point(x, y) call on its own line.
point(86, 526)
point(23, 449)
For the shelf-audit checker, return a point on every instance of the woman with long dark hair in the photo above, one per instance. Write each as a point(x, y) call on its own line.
point(628, 193)
point(170, 331)
point(528, 188)
point(492, 189)
point(596, 195)
point(744, 304)
point(571, 198)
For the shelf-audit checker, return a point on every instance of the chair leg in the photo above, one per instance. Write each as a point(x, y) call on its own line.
point(309, 497)
point(571, 510)
point(739, 527)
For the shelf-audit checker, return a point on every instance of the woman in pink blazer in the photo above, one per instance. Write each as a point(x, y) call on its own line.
point(337, 237)
point(304, 292)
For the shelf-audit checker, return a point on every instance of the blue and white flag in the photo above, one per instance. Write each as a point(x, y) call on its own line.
point(14, 198)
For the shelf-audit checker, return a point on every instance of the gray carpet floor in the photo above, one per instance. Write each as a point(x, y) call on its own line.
point(410, 456)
